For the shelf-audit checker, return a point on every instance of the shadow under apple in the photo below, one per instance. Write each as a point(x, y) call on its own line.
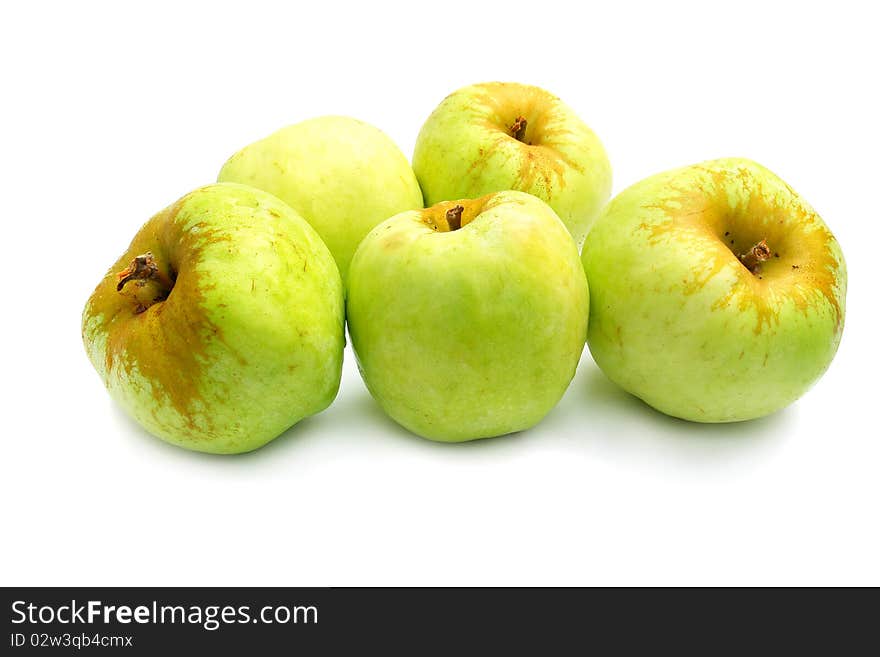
point(364, 406)
point(618, 420)
point(594, 413)
point(299, 432)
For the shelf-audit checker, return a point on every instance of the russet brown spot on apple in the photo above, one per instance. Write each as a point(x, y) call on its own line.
point(515, 114)
point(139, 340)
point(725, 236)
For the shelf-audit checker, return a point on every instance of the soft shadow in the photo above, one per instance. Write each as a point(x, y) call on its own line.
point(361, 415)
point(613, 416)
point(358, 415)
point(600, 388)
point(594, 414)
point(302, 431)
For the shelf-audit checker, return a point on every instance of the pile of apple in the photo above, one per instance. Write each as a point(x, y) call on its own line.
point(716, 293)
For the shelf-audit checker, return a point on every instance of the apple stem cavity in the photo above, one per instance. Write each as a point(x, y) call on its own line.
point(453, 217)
point(518, 129)
point(143, 268)
point(753, 258)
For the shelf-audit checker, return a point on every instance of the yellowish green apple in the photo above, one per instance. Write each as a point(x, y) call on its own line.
point(496, 136)
point(342, 175)
point(222, 324)
point(468, 318)
point(717, 292)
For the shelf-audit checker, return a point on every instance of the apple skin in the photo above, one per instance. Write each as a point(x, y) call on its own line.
point(679, 321)
point(468, 333)
point(465, 149)
point(342, 175)
point(248, 341)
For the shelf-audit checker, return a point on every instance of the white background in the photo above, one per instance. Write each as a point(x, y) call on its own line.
point(109, 113)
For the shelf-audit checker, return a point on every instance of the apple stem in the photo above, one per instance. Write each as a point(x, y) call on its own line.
point(753, 258)
point(518, 129)
point(453, 217)
point(143, 267)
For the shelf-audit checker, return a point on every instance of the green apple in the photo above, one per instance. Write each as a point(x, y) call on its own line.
point(342, 175)
point(496, 136)
point(468, 318)
point(222, 325)
point(717, 292)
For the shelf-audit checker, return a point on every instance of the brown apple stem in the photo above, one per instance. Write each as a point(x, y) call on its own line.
point(753, 258)
point(453, 217)
point(144, 268)
point(518, 129)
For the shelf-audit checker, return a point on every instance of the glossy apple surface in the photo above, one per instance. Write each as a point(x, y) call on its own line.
point(222, 324)
point(717, 292)
point(468, 318)
point(341, 175)
point(497, 136)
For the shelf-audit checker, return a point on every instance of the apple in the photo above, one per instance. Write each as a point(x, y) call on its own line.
point(222, 324)
point(342, 175)
point(717, 292)
point(497, 136)
point(468, 318)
